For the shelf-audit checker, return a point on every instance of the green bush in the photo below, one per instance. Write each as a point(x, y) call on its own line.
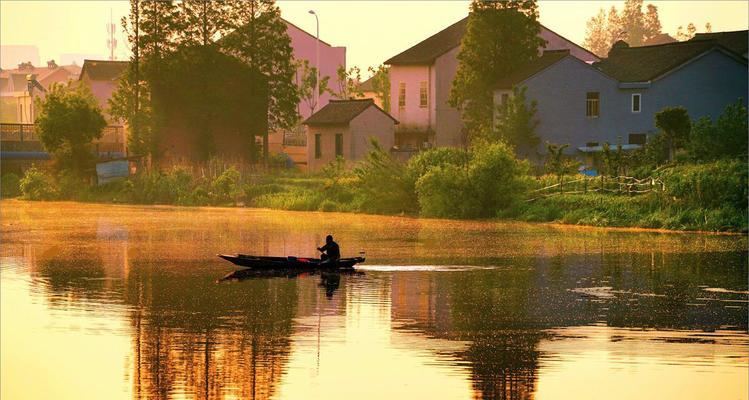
point(382, 184)
point(38, 185)
point(491, 182)
point(712, 186)
point(11, 185)
point(727, 138)
point(422, 162)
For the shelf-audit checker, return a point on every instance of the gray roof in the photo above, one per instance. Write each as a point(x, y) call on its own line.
point(104, 70)
point(736, 41)
point(647, 63)
point(341, 112)
point(549, 58)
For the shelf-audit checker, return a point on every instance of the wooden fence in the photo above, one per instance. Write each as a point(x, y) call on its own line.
point(620, 185)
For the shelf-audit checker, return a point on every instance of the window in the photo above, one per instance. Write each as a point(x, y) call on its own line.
point(423, 98)
point(638, 138)
point(402, 94)
point(318, 146)
point(338, 144)
point(636, 102)
point(591, 104)
point(505, 98)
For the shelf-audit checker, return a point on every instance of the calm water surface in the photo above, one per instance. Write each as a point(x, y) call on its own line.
point(108, 302)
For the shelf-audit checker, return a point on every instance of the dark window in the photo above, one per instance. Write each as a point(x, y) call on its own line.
point(338, 144)
point(636, 98)
point(638, 138)
point(423, 99)
point(505, 98)
point(318, 145)
point(402, 94)
point(592, 104)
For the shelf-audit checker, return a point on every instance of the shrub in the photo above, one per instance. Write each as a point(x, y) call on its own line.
point(38, 185)
point(226, 186)
point(492, 181)
point(11, 185)
point(726, 138)
point(712, 185)
point(382, 184)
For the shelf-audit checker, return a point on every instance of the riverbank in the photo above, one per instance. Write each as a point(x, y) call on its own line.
point(707, 197)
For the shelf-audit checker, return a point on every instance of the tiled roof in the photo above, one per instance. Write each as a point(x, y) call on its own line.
point(432, 47)
point(366, 86)
point(549, 58)
point(643, 64)
point(426, 51)
point(736, 41)
point(102, 70)
point(341, 112)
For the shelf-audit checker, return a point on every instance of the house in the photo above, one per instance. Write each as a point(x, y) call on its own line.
point(344, 128)
point(616, 99)
point(421, 79)
point(102, 78)
point(17, 102)
point(368, 92)
point(736, 41)
point(661, 38)
point(304, 46)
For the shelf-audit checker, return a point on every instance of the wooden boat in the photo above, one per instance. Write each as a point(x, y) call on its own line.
point(289, 263)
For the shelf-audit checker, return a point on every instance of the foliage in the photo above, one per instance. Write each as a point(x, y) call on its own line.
point(492, 181)
point(691, 30)
point(348, 83)
point(260, 40)
point(381, 84)
point(67, 123)
point(516, 124)
point(726, 138)
point(226, 187)
point(423, 161)
point(38, 185)
point(633, 26)
point(308, 83)
point(500, 36)
point(675, 125)
point(556, 163)
point(712, 185)
point(11, 185)
point(383, 183)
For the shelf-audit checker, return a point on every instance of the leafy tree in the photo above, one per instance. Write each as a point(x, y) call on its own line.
point(596, 35)
point(632, 25)
point(500, 36)
point(67, 123)
point(675, 125)
point(381, 84)
point(555, 158)
point(308, 83)
point(516, 124)
point(652, 24)
point(348, 83)
point(682, 36)
point(726, 138)
point(259, 39)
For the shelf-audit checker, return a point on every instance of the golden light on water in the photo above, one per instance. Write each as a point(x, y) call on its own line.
point(102, 301)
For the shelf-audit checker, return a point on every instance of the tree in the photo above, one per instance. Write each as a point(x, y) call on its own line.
point(348, 83)
point(308, 83)
point(516, 124)
point(682, 36)
point(500, 36)
point(555, 158)
point(675, 125)
point(724, 138)
point(381, 84)
point(259, 39)
point(596, 35)
point(67, 123)
point(652, 23)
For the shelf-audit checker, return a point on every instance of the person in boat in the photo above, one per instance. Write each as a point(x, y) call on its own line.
point(331, 253)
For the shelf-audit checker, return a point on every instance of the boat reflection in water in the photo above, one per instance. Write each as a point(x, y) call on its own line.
point(482, 310)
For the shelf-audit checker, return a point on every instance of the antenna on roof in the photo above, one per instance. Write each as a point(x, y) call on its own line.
point(111, 40)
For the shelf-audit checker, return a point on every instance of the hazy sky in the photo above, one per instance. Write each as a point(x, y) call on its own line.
point(372, 31)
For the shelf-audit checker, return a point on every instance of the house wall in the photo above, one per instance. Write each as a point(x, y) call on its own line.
point(356, 138)
point(443, 119)
point(704, 87)
point(102, 91)
point(303, 45)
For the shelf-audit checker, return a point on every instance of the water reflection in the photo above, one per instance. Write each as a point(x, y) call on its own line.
point(529, 308)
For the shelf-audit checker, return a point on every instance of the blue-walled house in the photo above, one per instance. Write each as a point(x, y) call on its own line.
point(615, 100)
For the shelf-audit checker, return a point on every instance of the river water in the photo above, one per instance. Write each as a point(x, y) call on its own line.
point(110, 302)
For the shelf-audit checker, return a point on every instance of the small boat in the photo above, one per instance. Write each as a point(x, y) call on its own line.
point(289, 263)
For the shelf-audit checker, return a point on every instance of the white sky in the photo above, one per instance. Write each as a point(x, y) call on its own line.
point(372, 31)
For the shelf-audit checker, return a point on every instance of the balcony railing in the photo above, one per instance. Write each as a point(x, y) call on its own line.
point(23, 137)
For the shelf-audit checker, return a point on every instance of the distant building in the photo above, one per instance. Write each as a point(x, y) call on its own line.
point(661, 38)
point(368, 92)
point(615, 100)
point(102, 78)
point(17, 102)
point(344, 128)
point(421, 79)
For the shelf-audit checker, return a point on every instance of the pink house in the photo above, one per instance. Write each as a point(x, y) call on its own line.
point(421, 79)
point(102, 78)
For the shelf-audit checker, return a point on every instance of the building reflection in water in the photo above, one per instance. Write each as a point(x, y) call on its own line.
point(476, 332)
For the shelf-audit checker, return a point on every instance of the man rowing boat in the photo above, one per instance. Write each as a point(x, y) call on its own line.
point(331, 253)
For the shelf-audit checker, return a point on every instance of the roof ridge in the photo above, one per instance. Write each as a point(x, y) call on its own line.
point(684, 43)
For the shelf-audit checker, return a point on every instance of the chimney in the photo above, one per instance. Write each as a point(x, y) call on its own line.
point(25, 65)
point(51, 64)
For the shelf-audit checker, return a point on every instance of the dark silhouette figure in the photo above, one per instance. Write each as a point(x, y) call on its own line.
point(331, 253)
point(330, 281)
